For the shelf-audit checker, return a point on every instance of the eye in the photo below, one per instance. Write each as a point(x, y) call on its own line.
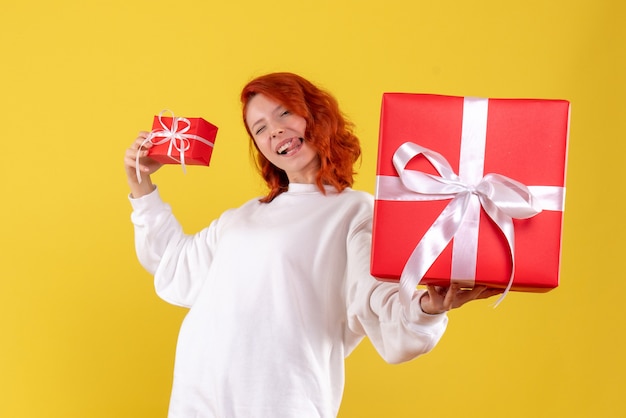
point(285, 112)
point(258, 131)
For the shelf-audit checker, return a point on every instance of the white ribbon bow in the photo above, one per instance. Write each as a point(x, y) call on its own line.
point(502, 199)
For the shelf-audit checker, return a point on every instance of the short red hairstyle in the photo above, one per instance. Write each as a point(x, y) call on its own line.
point(327, 130)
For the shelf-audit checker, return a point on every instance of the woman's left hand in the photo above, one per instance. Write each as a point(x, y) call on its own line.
point(440, 299)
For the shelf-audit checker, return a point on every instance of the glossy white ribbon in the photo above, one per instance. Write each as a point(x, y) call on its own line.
point(502, 198)
point(177, 137)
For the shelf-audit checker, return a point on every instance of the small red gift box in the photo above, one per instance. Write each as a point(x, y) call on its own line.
point(471, 191)
point(185, 141)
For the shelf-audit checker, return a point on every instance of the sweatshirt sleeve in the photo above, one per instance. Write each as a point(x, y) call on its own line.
point(179, 262)
point(374, 307)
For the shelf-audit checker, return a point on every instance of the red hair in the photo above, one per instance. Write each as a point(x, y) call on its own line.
point(327, 130)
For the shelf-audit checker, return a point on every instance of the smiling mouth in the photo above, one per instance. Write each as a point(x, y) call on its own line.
point(290, 146)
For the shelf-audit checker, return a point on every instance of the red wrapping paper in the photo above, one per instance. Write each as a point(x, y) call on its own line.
point(526, 140)
point(196, 151)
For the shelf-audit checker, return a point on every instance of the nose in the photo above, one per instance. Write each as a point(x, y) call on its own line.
point(277, 131)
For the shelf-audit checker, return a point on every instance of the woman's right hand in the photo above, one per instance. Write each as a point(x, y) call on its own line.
point(147, 166)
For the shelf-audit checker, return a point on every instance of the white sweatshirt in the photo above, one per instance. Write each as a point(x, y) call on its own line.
point(280, 294)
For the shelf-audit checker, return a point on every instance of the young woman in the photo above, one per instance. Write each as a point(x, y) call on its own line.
point(279, 289)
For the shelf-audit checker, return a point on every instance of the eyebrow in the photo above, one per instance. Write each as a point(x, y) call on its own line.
point(261, 120)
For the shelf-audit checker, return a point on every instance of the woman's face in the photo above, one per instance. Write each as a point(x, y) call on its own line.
point(279, 135)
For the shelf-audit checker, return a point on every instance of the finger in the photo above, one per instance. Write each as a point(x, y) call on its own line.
point(432, 291)
point(485, 292)
point(131, 162)
point(131, 156)
point(431, 301)
point(477, 292)
point(133, 152)
point(143, 134)
point(451, 296)
point(140, 141)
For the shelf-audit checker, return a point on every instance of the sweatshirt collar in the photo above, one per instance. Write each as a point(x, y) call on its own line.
point(295, 188)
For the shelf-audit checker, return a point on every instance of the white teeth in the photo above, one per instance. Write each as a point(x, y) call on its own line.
point(284, 147)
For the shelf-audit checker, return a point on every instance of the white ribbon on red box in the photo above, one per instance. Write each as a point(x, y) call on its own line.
point(502, 198)
point(177, 137)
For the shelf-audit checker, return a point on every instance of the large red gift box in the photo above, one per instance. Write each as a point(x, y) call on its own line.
point(178, 140)
point(440, 226)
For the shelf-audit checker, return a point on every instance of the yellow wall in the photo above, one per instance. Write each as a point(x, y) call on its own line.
point(82, 333)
